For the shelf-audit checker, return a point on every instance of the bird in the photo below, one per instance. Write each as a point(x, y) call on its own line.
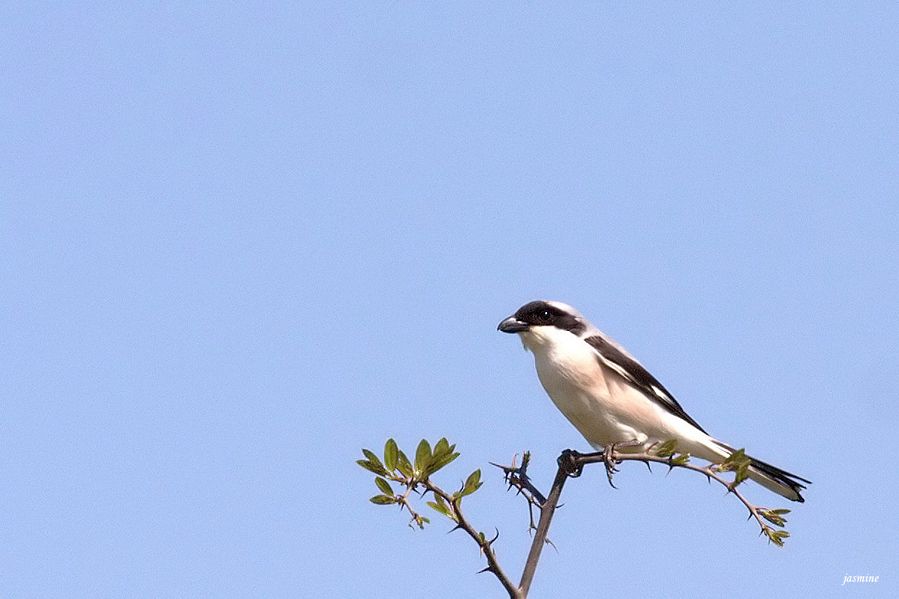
point(612, 400)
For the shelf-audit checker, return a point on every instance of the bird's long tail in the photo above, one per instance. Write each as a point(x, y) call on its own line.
point(773, 478)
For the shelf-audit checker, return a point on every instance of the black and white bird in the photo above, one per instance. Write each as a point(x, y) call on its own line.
point(611, 399)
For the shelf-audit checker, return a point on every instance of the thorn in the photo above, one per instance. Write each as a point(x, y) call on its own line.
point(454, 528)
point(493, 540)
point(647, 464)
point(487, 569)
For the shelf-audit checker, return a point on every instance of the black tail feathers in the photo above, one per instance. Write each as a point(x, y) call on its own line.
point(780, 481)
point(783, 477)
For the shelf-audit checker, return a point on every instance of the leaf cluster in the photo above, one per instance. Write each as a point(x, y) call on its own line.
point(738, 463)
point(668, 449)
point(415, 475)
point(775, 517)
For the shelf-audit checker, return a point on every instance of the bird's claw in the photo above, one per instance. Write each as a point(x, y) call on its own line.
point(608, 458)
point(568, 463)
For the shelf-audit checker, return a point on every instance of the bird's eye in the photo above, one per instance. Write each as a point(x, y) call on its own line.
point(544, 315)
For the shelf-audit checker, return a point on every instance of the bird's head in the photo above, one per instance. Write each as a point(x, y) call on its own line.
point(540, 321)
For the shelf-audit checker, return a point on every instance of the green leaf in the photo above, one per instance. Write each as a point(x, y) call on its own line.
point(436, 507)
point(735, 461)
point(741, 474)
point(781, 511)
point(382, 500)
point(666, 449)
point(441, 508)
point(680, 459)
point(374, 459)
point(423, 458)
point(384, 486)
point(737, 456)
point(776, 536)
point(773, 517)
point(372, 467)
point(472, 483)
point(403, 464)
point(390, 455)
point(441, 461)
point(441, 447)
point(446, 509)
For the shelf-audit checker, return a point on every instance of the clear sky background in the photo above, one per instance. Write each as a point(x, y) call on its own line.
point(240, 242)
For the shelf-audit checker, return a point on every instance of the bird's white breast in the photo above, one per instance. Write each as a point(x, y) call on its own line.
point(585, 391)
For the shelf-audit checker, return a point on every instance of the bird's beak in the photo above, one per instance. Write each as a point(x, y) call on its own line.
point(512, 325)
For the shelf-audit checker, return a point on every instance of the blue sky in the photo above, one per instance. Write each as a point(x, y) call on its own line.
point(240, 242)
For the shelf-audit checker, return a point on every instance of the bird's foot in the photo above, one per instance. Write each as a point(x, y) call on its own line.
point(610, 460)
point(568, 463)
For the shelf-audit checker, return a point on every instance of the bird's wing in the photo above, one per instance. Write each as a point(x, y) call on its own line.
point(616, 358)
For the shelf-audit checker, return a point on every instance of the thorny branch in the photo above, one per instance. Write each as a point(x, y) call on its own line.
point(571, 464)
point(547, 510)
point(397, 468)
point(517, 477)
point(486, 545)
point(452, 503)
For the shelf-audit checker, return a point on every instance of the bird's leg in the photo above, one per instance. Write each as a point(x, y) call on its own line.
point(609, 457)
point(571, 461)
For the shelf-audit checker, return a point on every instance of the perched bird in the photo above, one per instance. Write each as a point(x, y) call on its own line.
point(611, 399)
